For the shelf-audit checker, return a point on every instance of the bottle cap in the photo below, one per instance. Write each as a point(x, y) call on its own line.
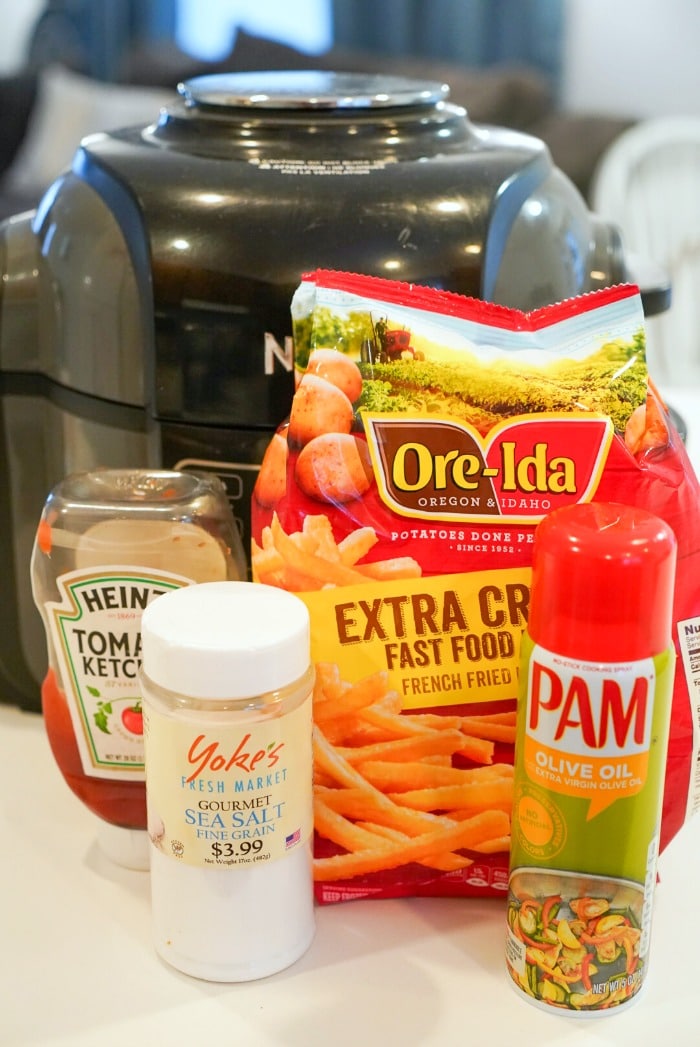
point(223, 640)
point(602, 583)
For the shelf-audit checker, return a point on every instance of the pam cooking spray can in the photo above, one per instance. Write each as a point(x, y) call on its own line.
point(593, 719)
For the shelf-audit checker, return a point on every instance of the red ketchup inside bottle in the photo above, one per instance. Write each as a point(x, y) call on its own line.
point(118, 802)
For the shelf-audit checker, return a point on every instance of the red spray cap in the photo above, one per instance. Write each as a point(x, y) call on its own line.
point(602, 583)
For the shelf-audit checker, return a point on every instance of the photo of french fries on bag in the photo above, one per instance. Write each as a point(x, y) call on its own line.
point(428, 435)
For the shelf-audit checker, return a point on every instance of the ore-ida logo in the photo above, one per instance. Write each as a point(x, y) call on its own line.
point(521, 470)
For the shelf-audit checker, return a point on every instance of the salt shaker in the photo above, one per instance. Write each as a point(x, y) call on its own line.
point(227, 688)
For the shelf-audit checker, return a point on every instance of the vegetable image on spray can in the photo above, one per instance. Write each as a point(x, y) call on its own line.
point(596, 681)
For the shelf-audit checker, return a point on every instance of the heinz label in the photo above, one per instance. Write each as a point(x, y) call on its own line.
point(95, 629)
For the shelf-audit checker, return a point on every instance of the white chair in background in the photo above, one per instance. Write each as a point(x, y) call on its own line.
point(648, 184)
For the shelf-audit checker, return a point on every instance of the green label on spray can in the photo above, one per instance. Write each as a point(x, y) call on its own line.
point(590, 763)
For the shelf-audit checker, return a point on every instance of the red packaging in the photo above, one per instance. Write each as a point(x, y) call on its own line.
point(428, 436)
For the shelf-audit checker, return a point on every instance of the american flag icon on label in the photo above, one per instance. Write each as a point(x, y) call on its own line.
point(293, 838)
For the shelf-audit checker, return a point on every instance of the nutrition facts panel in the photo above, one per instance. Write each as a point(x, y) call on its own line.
point(689, 644)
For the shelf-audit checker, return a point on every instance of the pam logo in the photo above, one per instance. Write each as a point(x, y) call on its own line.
point(588, 728)
point(524, 468)
point(590, 713)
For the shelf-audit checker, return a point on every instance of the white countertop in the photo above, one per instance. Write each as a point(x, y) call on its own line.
point(78, 970)
point(77, 966)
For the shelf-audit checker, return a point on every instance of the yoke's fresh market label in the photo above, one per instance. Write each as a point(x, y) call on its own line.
point(228, 794)
point(96, 633)
point(428, 436)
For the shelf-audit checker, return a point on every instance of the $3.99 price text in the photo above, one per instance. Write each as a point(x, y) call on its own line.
point(242, 851)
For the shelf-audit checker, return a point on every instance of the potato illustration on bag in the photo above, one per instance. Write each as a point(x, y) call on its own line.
point(318, 407)
point(337, 369)
point(272, 478)
point(331, 464)
point(335, 467)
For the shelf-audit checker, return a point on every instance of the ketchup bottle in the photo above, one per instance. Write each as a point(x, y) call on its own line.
point(108, 543)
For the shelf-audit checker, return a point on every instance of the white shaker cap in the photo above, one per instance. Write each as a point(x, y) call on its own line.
point(225, 639)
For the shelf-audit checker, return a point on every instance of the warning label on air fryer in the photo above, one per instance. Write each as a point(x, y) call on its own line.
point(321, 167)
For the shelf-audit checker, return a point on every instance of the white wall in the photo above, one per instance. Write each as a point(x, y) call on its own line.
point(632, 57)
point(17, 18)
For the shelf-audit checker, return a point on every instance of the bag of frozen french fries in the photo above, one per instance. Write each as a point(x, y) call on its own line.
point(428, 435)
